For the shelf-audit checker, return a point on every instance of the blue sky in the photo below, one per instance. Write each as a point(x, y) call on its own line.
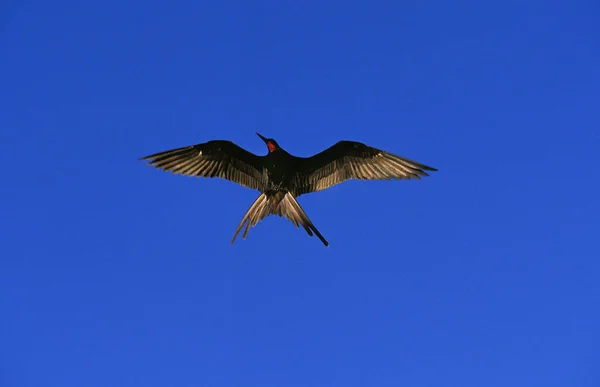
point(484, 274)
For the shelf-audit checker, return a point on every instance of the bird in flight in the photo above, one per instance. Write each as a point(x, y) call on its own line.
point(281, 177)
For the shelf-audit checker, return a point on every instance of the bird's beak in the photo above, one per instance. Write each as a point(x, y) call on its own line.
point(262, 138)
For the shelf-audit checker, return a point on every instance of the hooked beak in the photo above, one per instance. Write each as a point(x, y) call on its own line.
point(262, 138)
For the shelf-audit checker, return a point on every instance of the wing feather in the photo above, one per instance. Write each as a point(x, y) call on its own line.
point(218, 158)
point(353, 160)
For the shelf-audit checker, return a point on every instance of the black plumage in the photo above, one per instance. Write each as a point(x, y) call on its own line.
point(281, 177)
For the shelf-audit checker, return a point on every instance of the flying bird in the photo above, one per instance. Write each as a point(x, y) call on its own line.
point(281, 177)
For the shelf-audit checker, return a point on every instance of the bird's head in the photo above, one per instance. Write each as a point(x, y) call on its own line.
point(271, 144)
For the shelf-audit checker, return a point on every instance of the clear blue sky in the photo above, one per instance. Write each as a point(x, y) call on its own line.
point(484, 274)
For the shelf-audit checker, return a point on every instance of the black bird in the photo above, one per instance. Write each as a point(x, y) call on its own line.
point(281, 177)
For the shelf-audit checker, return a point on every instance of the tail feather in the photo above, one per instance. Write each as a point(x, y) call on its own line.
point(282, 204)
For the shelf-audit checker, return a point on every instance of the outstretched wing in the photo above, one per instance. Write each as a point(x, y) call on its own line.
point(216, 158)
point(353, 160)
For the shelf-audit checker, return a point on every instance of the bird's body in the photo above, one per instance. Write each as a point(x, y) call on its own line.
point(282, 177)
point(279, 167)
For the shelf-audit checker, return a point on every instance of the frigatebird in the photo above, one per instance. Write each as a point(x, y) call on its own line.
point(281, 177)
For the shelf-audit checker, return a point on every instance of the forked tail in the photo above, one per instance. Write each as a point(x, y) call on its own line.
point(282, 204)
